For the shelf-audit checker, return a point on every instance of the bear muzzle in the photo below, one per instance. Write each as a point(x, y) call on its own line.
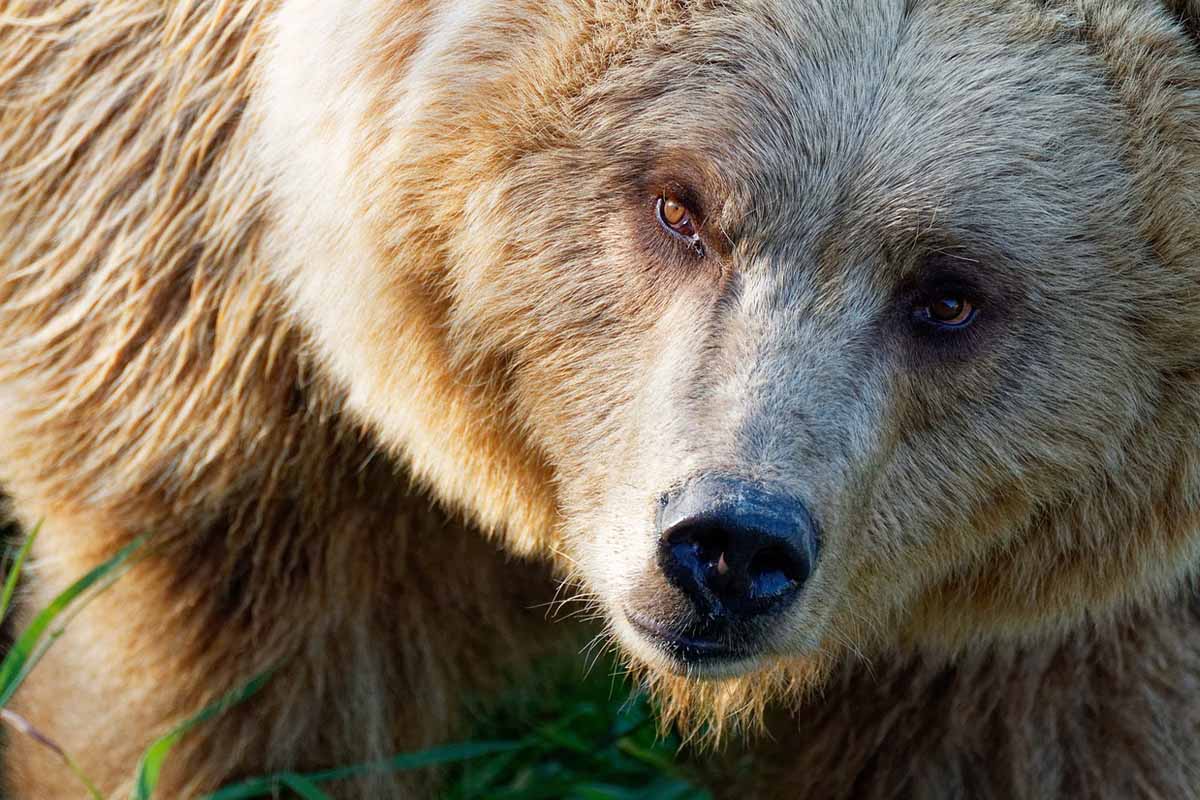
point(734, 554)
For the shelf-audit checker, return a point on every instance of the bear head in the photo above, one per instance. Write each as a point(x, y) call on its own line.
point(790, 328)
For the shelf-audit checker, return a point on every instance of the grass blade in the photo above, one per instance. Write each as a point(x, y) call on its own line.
point(26, 650)
point(270, 785)
point(150, 767)
point(22, 725)
point(600, 791)
point(654, 758)
point(14, 572)
point(304, 787)
point(433, 757)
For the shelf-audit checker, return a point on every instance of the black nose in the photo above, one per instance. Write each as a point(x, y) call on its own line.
point(735, 549)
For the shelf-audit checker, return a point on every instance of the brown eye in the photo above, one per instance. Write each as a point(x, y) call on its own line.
point(676, 219)
point(949, 312)
point(673, 212)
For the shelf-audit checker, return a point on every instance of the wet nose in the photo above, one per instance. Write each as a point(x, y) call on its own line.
point(734, 548)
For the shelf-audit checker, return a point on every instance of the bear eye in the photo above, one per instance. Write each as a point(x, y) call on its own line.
point(948, 311)
point(677, 219)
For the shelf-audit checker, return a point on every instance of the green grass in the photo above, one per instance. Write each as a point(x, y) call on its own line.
point(585, 738)
point(565, 736)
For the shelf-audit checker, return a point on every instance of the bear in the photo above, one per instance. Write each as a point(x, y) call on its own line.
point(841, 354)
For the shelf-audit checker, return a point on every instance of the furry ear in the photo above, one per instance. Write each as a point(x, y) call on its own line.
point(1188, 14)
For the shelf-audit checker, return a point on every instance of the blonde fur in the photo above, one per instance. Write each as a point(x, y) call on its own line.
point(280, 282)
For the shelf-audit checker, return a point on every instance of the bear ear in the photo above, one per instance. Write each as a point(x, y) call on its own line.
point(1188, 14)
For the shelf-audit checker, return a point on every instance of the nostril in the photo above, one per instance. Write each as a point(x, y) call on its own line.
point(699, 554)
point(773, 572)
point(710, 542)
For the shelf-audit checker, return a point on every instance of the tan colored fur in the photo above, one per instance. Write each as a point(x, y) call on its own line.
point(264, 263)
point(308, 551)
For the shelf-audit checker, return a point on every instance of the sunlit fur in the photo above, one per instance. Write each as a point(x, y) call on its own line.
point(263, 264)
point(152, 380)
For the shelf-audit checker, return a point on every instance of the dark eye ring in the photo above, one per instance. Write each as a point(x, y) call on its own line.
point(677, 219)
point(948, 312)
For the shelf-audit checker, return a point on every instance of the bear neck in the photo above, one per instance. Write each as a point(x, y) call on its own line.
point(1109, 710)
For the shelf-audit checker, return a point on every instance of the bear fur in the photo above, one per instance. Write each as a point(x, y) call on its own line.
point(317, 293)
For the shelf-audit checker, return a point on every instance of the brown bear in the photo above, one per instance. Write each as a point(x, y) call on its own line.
point(844, 354)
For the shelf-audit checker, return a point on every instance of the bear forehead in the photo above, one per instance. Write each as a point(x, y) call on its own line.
point(793, 117)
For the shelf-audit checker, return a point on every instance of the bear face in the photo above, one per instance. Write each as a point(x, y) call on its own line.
point(789, 327)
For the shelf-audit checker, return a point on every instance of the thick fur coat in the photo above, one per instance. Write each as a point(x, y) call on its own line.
point(335, 299)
